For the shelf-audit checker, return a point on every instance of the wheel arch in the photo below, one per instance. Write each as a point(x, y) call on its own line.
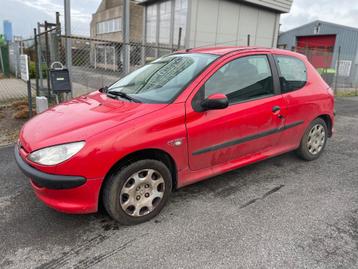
point(151, 153)
point(329, 122)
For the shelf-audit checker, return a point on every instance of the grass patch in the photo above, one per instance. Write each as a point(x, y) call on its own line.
point(347, 93)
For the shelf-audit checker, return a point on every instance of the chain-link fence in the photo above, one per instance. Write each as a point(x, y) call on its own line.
point(94, 64)
point(97, 63)
point(335, 68)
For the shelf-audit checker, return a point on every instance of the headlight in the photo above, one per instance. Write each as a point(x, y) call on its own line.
point(56, 154)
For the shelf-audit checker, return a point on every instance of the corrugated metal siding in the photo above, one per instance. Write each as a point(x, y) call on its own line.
point(347, 39)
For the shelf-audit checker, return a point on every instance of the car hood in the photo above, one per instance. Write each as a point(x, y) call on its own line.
point(79, 119)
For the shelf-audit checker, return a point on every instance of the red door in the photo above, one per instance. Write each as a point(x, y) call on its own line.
point(250, 125)
point(318, 49)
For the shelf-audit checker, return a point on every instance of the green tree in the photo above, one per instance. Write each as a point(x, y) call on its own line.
point(2, 40)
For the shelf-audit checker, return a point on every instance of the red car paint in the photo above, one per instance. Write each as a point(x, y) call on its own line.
point(113, 129)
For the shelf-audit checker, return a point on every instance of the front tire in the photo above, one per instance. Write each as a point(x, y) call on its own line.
point(313, 141)
point(137, 192)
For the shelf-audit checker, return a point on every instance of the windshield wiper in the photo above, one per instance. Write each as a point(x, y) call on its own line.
point(123, 95)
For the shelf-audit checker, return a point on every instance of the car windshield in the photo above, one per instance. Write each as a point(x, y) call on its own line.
point(162, 80)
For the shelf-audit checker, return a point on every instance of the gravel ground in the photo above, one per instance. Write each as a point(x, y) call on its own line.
point(280, 213)
point(9, 126)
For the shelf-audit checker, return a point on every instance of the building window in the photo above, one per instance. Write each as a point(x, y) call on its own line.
point(100, 55)
point(181, 9)
point(151, 22)
point(164, 19)
point(164, 22)
point(105, 57)
point(110, 26)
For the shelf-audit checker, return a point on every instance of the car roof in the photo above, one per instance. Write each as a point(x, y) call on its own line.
point(230, 49)
point(219, 50)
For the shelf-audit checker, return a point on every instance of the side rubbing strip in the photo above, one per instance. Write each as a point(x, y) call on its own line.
point(247, 138)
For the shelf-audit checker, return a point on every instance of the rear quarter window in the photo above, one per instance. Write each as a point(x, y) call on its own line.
point(293, 73)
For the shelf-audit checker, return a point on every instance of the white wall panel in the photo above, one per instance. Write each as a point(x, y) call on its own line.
point(265, 28)
point(207, 18)
point(229, 13)
point(224, 22)
point(248, 25)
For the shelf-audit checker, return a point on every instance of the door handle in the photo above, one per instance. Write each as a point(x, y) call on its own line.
point(276, 109)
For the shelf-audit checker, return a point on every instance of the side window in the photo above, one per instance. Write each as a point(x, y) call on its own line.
point(242, 79)
point(293, 73)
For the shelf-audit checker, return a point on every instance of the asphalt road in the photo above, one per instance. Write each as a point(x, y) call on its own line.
point(280, 213)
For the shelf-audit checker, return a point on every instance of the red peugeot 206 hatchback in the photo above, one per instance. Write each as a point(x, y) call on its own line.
point(183, 118)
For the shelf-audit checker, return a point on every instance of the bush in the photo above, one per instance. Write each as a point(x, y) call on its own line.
point(32, 70)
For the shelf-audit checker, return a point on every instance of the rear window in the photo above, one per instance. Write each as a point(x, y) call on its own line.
point(293, 73)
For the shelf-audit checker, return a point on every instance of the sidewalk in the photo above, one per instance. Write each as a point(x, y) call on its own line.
point(11, 89)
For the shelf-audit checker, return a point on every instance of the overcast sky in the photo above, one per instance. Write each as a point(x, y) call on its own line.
point(25, 14)
point(337, 11)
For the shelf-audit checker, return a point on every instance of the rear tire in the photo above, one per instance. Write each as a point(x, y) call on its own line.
point(137, 192)
point(313, 141)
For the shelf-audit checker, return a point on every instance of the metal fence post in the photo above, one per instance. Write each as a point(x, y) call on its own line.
point(179, 37)
point(48, 61)
point(248, 40)
point(126, 29)
point(29, 97)
point(144, 34)
point(337, 71)
point(57, 46)
point(67, 5)
point(41, 85)
point(36, 64)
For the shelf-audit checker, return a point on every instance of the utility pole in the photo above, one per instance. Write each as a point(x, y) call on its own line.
point(67, 5)
point(126, 29)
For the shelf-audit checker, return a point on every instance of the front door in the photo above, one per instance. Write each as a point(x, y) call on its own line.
point(250, 124)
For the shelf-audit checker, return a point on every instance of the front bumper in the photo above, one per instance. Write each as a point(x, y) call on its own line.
point(67, 194)
point(49, 181)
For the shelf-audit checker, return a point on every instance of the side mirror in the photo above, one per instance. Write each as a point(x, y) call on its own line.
point(215, 101)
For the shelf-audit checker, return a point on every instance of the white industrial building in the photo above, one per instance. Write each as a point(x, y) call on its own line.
point(213, 22)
